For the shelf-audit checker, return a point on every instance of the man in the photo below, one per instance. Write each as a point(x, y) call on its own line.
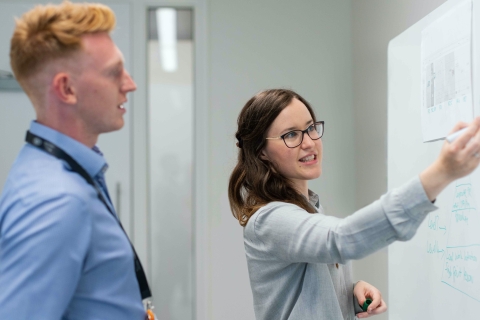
point(63, 253)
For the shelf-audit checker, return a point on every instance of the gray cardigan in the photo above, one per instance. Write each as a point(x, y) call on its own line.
point(291, 254)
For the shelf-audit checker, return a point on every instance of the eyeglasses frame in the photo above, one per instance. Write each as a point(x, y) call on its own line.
point(303, 133)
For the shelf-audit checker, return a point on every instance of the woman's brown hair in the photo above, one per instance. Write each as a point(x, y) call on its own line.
point(255, 182)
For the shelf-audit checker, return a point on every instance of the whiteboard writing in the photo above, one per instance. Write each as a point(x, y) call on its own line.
point(454, 240)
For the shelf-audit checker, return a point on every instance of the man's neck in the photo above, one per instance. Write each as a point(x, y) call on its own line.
point(72, 130)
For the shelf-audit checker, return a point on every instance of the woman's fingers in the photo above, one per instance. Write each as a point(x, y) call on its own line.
point(380, 308)
point(459, 158)
point(464, 139)
point(458, 126)
point(364, 290)
point(362, 315)
point(376, 297)
point(472, 146)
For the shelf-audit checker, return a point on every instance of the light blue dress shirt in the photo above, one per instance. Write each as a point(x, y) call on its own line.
point(63, 255)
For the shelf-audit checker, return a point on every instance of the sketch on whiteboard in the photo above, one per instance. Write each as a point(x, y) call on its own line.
point(447, 72)
point(461, 258)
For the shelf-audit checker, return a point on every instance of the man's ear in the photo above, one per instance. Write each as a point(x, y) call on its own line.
point(63, 88)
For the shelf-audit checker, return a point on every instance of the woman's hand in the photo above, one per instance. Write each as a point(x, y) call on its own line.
point(364, 290)
point(456, 159)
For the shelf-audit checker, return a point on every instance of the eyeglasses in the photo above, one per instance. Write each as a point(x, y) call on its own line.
point(294, 138)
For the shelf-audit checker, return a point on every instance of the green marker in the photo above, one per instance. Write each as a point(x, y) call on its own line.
point(366, 304)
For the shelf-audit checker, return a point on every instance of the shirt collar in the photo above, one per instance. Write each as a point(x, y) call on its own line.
point(92, 161)
point(313, 199)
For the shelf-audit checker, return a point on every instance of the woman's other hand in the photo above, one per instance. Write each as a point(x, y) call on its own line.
point(457, 159)
point(364, 290)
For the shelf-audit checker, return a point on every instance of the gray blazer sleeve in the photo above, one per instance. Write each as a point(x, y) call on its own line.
point(356, 305)
point(289, 233)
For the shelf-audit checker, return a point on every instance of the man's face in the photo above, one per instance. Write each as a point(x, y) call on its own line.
point(101, 85)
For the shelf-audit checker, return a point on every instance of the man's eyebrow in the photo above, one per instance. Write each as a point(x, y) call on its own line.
point(295, 128)
point(115, 65)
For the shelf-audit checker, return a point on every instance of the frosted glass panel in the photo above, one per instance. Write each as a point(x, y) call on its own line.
point(171, 163)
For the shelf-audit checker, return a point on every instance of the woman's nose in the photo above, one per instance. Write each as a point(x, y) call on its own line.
point(307, 141)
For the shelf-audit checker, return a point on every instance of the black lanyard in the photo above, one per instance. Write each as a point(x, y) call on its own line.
point(55, 151)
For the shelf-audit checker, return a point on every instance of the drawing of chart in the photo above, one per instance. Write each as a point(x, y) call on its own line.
point(446, 72)
point(461, 261)
point(448, 79)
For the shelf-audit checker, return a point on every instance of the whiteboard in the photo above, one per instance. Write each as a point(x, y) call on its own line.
point(436, 275)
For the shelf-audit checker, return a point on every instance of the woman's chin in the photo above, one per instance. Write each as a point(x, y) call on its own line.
point(315, 175)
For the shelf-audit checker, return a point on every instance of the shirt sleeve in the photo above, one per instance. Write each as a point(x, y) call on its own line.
point(356, 305)
point(41, 256)
point(289, 233)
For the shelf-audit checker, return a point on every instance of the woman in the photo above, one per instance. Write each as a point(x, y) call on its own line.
point(299, 258)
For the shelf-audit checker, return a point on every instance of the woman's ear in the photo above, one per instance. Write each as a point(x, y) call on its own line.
point(263, 155)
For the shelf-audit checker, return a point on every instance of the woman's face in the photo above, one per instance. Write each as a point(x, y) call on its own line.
point(301, 163)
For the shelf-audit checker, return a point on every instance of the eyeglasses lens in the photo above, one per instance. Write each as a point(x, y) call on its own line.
point(295, 138)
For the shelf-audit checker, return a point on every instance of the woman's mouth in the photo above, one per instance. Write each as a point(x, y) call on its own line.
point(308, 158)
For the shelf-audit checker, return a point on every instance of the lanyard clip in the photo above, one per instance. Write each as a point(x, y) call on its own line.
point(149, 309)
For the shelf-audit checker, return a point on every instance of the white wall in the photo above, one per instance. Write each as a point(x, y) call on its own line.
point(255, 45)
point(374, 24)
